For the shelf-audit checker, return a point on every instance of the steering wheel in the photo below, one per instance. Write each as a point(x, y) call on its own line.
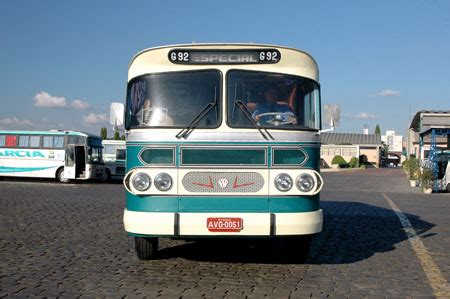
point(278, 118)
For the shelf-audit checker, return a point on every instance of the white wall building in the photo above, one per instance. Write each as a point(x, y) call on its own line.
point(394, 142)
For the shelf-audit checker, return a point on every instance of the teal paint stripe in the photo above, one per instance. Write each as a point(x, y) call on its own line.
point(152, 203)
point(45, 133)
point(313, 161)
point(5, 169)
point(248, 204)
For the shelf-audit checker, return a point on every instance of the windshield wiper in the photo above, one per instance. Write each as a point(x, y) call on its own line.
point(186, 131)
point(248, 115)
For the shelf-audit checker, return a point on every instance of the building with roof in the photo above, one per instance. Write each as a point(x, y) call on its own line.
point(428, 131)
point(349, 145)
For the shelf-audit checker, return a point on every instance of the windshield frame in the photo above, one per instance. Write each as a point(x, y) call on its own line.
point(99, 153)
point(229, 103)
point(218, 104)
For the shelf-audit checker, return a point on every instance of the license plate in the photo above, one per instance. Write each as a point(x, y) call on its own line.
point(224, 224)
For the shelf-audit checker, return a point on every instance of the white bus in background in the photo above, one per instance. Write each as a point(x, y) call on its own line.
point(63, 155)
point(114, 155)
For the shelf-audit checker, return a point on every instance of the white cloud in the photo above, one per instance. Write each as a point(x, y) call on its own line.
point(44, 100)
point(388, 93)
point(92, 118)
point(14, 121)
point(80, 105)
point(364, 115)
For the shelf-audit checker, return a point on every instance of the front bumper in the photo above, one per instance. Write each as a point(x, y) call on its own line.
point(195, 224)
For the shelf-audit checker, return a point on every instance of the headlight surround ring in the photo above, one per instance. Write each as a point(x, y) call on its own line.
point(305, 182)
point(283, 182)
point(163, 181)
point(141, 181)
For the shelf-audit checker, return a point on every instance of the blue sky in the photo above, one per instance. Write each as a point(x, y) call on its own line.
point(64, 62)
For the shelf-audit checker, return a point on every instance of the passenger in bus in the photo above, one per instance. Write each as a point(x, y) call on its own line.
point(271, 104)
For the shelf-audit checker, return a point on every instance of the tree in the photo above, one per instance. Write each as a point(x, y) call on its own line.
point(103, 133)
point(377, 130)
point(116, 135)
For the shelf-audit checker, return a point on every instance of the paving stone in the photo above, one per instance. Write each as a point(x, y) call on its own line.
point(58, 240)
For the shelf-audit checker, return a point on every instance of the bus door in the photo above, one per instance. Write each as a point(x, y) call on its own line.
point(75, 162)
point(69, 164)
point(80, 161)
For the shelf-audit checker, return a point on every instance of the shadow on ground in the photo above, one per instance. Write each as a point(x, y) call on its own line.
point(352, 232)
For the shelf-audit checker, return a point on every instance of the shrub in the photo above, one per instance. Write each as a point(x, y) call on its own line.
point(353, 162)
point(338, 160)
point(406, 165)
point(363, 160)
point(426, 178)
point(413, 168)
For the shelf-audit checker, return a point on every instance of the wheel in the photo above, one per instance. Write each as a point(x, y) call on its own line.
point(60, 176)
point(299, 249)
point(448, 187)
point(291, 249)
point(107, 176)
point(146, 248)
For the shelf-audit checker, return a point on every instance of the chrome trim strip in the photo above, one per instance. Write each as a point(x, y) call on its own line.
point(173, 148)
point(200, 135)
point(288, 148)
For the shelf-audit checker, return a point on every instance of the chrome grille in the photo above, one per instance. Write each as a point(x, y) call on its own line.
point(230, 182)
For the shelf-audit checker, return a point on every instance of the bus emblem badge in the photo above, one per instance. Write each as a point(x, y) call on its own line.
point(223, 183)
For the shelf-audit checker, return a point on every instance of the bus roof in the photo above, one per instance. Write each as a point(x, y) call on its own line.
point(112, 141)
point(50, 132)
point(293, 61)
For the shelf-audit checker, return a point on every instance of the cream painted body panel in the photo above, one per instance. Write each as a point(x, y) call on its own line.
point(195, 224)
point(155, 60)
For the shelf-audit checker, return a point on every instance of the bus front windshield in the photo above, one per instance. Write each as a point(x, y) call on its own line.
point(175, 100)
point(272, 100)
point(94, 155)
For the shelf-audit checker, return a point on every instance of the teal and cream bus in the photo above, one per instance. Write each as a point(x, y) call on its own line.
point(63, 155)
point(206, 155)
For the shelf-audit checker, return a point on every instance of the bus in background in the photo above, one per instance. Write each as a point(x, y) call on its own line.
point(114, 155)
point(63, 155)
point(223, 142)
point(441, 161)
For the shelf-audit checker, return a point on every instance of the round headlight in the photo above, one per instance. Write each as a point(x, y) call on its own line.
point(305, 182)
point(141, 181)
point(163, 182)
point(283, 182)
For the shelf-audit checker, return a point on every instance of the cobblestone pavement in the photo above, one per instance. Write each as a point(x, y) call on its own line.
point(68, 240)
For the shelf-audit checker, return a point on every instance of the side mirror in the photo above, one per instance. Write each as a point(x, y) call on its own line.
point(116, 113)
point(332, 116)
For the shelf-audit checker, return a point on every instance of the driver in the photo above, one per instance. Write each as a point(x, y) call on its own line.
point(271, 104)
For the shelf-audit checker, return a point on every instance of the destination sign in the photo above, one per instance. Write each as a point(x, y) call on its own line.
point(189, 56)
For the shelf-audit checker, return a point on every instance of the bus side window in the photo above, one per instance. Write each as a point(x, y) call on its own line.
point(2, 140)
point(24, 141)
point(70, 155)
point(11, 140)
point(58, 142)
point(120, 154)
point(48, 142)
point(35, 141)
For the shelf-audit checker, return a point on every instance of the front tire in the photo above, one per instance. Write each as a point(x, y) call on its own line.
point(146, 248)
point(107, 176)
point(291, 249)
point(60, 176)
